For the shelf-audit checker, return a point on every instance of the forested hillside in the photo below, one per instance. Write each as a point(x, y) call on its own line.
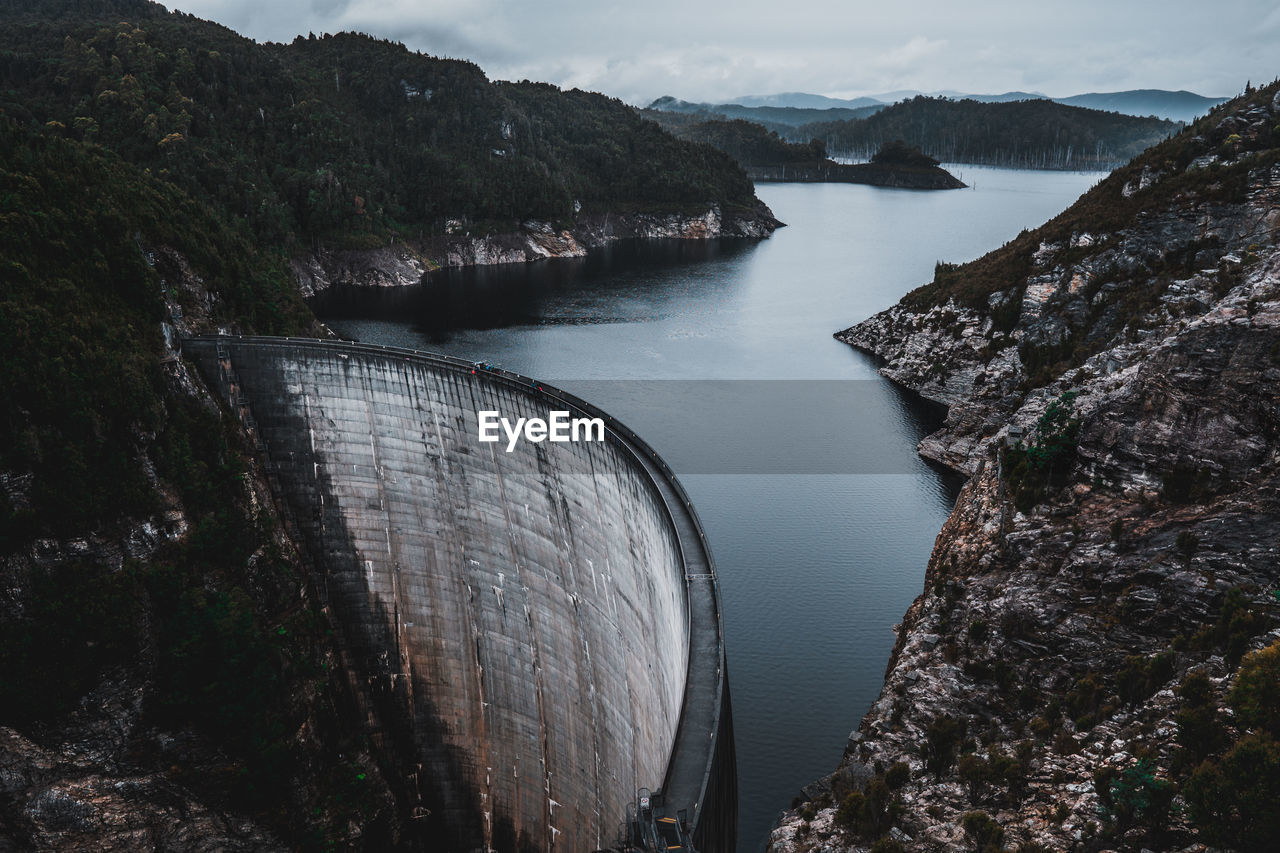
point(772, 117)
point(1035, 134)
point(749, 143)
point(768, 157)
point(155, 652)
point(343, 138)
point(80, 315)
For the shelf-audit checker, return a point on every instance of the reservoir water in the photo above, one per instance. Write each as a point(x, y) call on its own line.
point(799, 458)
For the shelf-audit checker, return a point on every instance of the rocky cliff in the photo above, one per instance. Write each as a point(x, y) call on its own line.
point(167, 681)
point(404, 263)
point(1098, 632)
point(142, 758)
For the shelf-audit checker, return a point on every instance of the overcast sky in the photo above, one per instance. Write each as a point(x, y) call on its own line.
point(704, 51)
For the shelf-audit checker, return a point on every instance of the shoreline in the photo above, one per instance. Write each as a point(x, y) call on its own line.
point(404, 264)
point(869, 174)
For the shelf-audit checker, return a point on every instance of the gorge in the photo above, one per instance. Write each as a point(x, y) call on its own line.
point(265, 593)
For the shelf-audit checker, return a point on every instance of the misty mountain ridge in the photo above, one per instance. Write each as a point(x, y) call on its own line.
point(776, 118)
point(804, 100)
point(1180, 106)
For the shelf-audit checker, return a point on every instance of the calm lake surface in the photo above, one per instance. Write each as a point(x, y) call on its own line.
point(819, 513)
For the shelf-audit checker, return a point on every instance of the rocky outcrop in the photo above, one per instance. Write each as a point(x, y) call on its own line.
point(101, 777)
point(397, 265)
point(404, 264)
point(533, 241)
point(108, 769)
point(1112, 294)
point(1039, 679)
point(79, 797)
point(756, 222)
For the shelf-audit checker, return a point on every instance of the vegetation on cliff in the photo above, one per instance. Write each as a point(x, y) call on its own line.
point(1034, 134)
point(80, 321)
point(1235, 795)
point(1101, 605)
point(1207, 163)
point(98, 443)
point(1045, 459)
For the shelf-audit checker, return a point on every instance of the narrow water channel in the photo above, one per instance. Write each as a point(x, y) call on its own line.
point(798, 456)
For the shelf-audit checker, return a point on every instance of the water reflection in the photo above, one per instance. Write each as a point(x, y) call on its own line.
point(626, 281)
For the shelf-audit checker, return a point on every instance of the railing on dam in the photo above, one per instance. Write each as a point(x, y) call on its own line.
point(700, 777)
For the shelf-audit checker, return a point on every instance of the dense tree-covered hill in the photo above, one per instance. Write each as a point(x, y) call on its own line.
point(771, 116)
point(768, 157)
point(338, 138)
point(749, 143)
point(1038, 134)
point(147, 590)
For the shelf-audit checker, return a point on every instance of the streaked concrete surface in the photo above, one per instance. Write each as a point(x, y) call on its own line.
point(529, 637)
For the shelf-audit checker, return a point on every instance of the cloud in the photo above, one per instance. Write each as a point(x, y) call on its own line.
point(701, 51)
point(1272, 22)
point(912, 52)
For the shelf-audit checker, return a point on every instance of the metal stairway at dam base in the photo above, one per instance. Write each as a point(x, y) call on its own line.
point(531, 636)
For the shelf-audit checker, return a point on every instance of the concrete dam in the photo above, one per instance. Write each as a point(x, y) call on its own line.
point(529, 637)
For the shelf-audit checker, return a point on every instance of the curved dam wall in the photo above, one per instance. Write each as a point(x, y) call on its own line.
point(529, 636)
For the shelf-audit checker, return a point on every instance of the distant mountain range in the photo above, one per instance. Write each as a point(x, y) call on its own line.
point(1176, 106)
point(776, 118)
point(804, 100)
point(796, 108)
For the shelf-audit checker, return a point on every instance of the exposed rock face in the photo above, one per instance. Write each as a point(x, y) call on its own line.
point(79, 798)
point(102, 779)
point(535, 240)
point(1057, 626)
point(401, 264)
point(107, 775)
point(389, 266)
point(956, 355)
point(757, 223)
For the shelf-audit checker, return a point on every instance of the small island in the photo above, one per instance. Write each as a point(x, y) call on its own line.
point(768, 157)
point(896, 164)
